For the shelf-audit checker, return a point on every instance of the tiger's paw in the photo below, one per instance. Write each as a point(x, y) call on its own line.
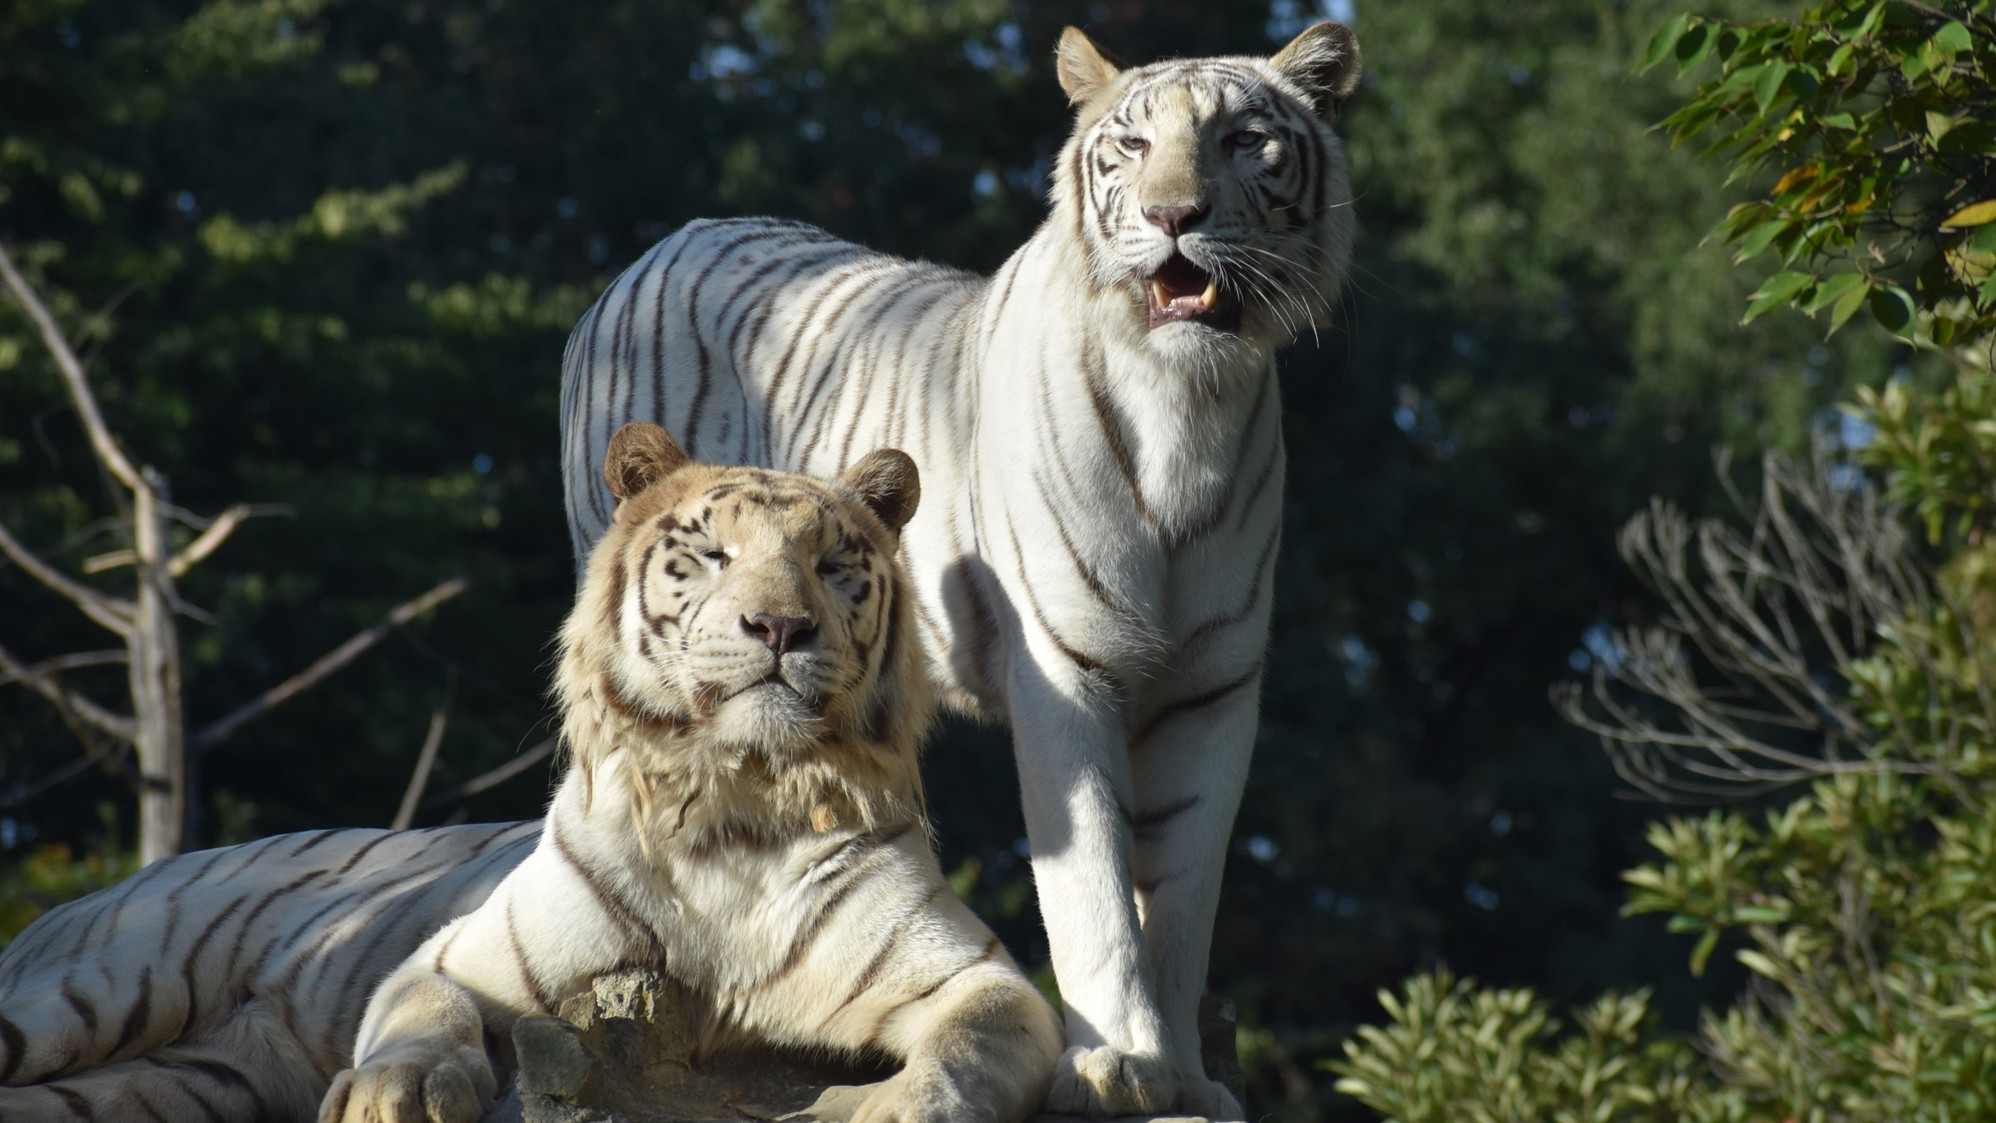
point(1108, 1081)
point(1208, 1098)
point(912, 1096)
point(415, 1089)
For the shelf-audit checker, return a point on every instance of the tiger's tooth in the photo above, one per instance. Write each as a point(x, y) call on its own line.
point(1159, 294)
point(1211, 296)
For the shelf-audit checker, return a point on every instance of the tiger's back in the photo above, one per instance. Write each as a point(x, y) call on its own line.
point(228, 983)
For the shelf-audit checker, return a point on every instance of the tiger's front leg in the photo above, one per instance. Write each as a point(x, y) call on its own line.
point(1075, 781)
point(1189, 770)
point(420, 1053)
point(427, 1061)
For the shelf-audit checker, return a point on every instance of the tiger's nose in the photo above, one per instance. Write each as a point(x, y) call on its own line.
point(1176, 220)
point(781, 633)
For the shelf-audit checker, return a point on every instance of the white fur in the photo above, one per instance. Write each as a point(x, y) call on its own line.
point(1103, 588)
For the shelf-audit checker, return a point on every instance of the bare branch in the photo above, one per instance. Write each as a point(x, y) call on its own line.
point(214, 532)
point(108, 611)
point(326, 664)
point(426, 759)
point(495, 777)
point(48, 686)
point(1744, 685)
point(73, 376)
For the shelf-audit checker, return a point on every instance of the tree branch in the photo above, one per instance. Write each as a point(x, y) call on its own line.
point(45, 684)
point(495, 777)
point(426, 759)
point(73, 376)
point(325, 665)
point(214, 532)
point(111, 612)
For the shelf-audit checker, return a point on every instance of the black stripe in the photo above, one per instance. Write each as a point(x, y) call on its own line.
point(585, 476)
point(637, 933)
point(139, 1016)
point(873, 966)
point(534, 989)
point(171, 927)
point(1112, 431)
point(270, 898)
point(145, 1105)
point(1145, 822)
point(78, 1106)
point(1095, 673)
point(1198, 701)
point(85, 1011)
point(808, 935)
point(315, 839)
point(16, 1046)
point(1260, 571)
point(354, 859)
point(887, 1015)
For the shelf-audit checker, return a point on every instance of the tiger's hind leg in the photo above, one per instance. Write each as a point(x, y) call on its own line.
point(247, 1070)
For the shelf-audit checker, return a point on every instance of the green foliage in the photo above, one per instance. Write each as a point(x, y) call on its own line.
point(1865, 911)
point(1459, 1052)
point(1938, 452)
point(1876, 121)
point(49, 874)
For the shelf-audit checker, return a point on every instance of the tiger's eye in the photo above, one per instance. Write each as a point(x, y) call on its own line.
point(718, 557)
point(1133, 145)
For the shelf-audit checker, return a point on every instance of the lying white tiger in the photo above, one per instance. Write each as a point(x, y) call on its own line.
point(742, 699)
point(1100, 431)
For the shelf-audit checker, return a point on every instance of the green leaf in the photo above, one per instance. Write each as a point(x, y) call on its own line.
point(1702, 954)
point(1872, 19)
point(1952, 38)
point(1974, 214)
point(1833, 290)
point(1760, 238)
point(1847, 306)
point(1767, 86)
point(1777, 291)
point(1893, 309)
point(1840, 58)
point(1692, 48)
point(1665, 39)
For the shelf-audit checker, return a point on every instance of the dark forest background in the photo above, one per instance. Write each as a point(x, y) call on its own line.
point(326, 254)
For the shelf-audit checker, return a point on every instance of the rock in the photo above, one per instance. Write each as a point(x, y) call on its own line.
point(626, 1051)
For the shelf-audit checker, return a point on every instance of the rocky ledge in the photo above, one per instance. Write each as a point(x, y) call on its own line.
point(625, 1053)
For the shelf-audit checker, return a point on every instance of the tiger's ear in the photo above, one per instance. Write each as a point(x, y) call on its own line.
point(888, 484)
point(1084, 67)
point(1324, 61)
point(641, 454)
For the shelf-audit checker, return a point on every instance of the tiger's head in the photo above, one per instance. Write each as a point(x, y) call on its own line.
point(1210, 194)
point(736, 617)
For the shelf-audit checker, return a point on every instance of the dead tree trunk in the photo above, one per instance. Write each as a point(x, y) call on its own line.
point(148, 620)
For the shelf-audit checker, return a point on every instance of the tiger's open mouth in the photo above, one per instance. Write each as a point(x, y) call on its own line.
point(1182, 292)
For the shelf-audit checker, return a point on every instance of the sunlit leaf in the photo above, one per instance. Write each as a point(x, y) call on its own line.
point(1975, 214)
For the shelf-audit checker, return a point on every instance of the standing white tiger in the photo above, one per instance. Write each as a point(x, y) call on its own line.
point(1098, 429)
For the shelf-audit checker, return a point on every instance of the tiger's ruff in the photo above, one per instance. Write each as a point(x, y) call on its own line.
point(1099, 431)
